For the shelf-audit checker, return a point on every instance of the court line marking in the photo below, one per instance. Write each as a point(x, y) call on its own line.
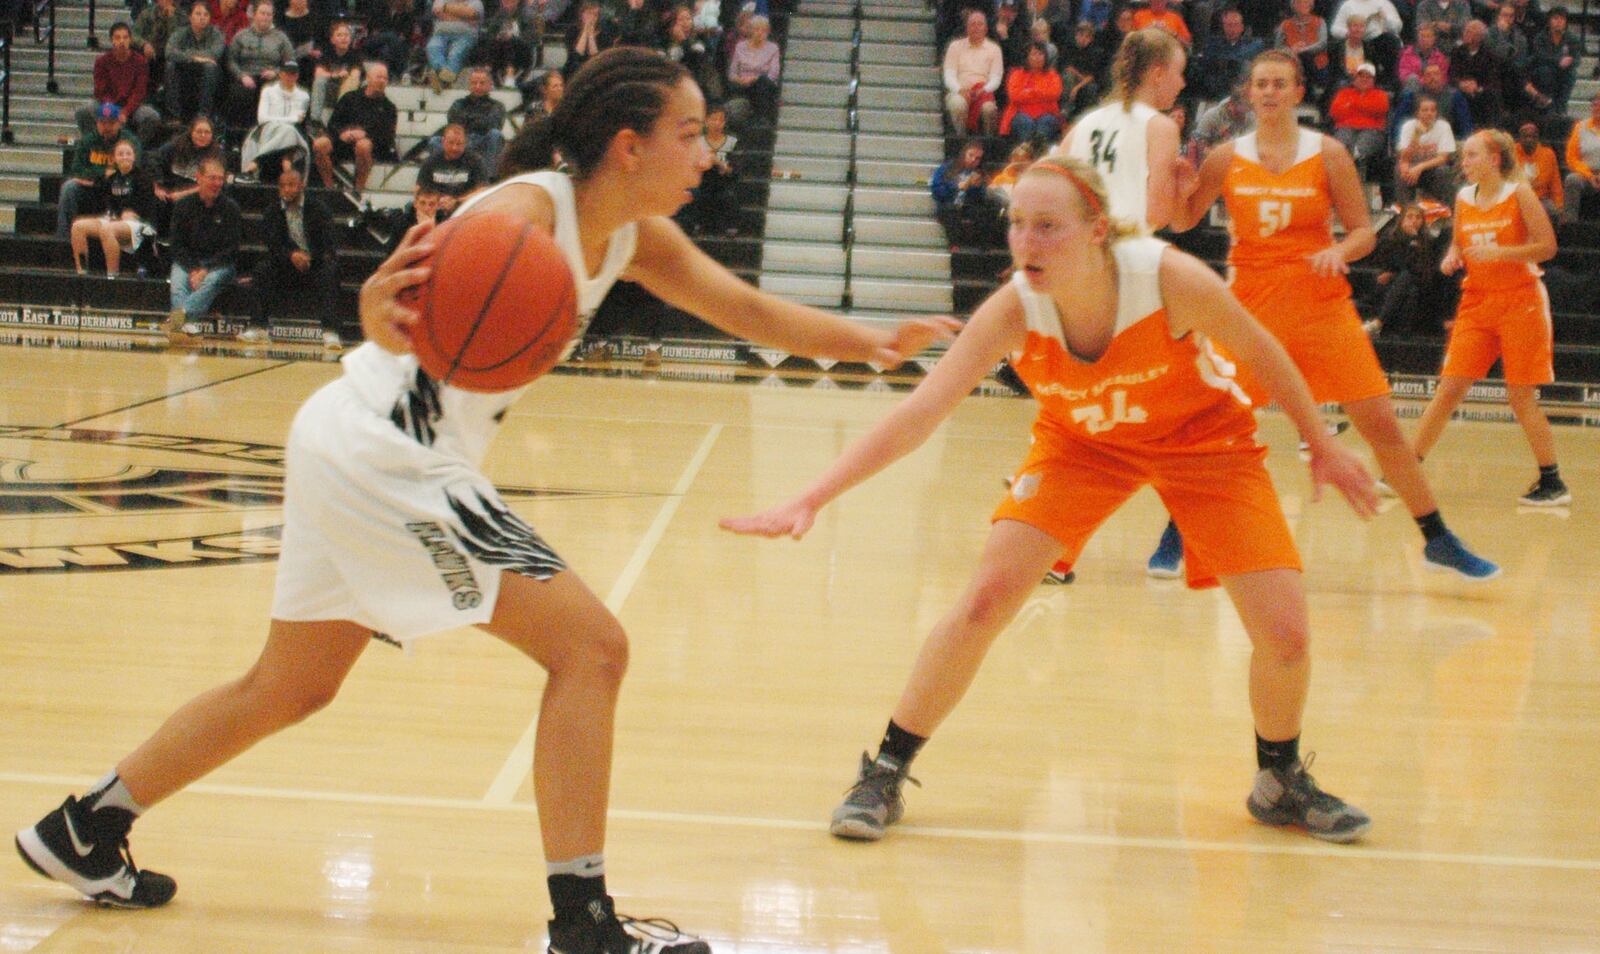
point(1305, 847)
point(518, 763)
point(173, 394)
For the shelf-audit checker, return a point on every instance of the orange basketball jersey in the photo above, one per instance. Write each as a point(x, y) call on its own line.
point(1499, 224)
point(1277, 219)
point(1149, 391)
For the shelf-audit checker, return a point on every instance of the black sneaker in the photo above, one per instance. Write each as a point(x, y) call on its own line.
point(874, 802)
point(610, 933)
point(1057, 577)
point(1293, 798)
point(1542, 494)
point(88, 850)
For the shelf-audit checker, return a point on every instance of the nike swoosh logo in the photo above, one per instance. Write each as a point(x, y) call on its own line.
point(77, 843)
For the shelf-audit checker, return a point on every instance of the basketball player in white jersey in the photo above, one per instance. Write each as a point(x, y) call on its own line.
point(390, 526)
point(1129, 138)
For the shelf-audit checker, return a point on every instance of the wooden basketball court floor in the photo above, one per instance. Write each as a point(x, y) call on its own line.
point(1087, 796)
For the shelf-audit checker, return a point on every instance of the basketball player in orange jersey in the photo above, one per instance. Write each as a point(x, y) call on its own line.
point(1111, 331)
point(1501, 233)
point(1280, 184)
point(391, 527)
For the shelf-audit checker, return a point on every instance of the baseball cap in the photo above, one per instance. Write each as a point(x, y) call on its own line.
point(1367, 68)
point(289, 66)
point(108, 111)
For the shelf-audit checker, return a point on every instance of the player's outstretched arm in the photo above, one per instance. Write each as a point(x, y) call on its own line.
point(679, 273)
point(994, 331)
point(1198, 301)
point(385, 319)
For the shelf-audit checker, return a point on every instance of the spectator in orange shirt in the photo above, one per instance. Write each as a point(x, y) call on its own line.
point(1360, 114)
point(1583, 162)
point(1033, 99)
point(1157, 14)
point(1538, 163)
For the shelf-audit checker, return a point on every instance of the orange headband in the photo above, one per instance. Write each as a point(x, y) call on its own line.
point(1089, 198)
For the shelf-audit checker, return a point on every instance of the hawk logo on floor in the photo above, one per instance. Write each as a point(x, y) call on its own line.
point(77, 499)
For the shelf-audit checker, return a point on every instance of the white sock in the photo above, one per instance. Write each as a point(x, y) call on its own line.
point(109, 792)
point(588, 866)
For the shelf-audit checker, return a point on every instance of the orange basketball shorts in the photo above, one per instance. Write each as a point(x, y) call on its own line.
point(1512, 324)
point(1223, 502)
point(1315, 321)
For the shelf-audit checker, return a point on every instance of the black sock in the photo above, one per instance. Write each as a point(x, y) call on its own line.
point(1432, 525)
point(1277, 755)
point(571, 895)
point(900, 745)
point(1550, 476)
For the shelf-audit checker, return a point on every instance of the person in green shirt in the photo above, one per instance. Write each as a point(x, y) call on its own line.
point(90, 162)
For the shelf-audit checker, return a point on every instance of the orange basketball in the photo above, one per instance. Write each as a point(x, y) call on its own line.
point(500, 306)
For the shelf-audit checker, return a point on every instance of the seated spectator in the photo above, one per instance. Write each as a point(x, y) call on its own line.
point(549, 14)
point(91, 162)
point(1527, 16)
point(299, 275)
point(753, 73)
point(1553, 63)
point(206, 230)
point(481, 116)
point(973, 69)
point(1424, 52)
point(1022, 156)
point(1407, 258)
point(176, 165)
point(253, 60)
point(194, 63)
point(307, 30)
point(1040, 33)
point(1583, 162)
point(1157, 14)
point(1223, 121)
point(1082, 62)
point(1305, 34)
point(1452, 105)
point(1352, 51)
point(390, 24)
point(682, 45)
point(1224, 57)
point(1448, 20)
point(511, 29)
point(962, 203)
point(152, 29)
point(361, 129)
point(1011, 37)
point(455, 32)
point(338, 71)
point(1538, 163)
point(122, 77)
point(1360, 114)
point(1426, 152)
point(276, 136)
point(127, 200)
point(453, 170)
point(636, 24)
point(1033, 100)
point(1510, 47)
point(1477, 72)
point(424, 207)
point(714, 209)
point(587, 36)
point(229, 17)
point(1380, 33)
point(547, 93)
point(1111, 41)
point(708, 22)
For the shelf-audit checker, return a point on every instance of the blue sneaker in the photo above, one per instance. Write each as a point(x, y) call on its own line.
point(1447, 552)
point(1167, 562)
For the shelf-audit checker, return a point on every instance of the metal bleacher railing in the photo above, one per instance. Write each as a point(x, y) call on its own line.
point(7, 137)
point(853, 127)
point(44, 10)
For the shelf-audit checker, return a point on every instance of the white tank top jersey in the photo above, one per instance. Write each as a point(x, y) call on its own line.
point(462, 423)
point(1113, 140)
point(1138, 291)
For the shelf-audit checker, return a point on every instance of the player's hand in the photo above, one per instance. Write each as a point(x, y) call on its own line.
point(911, 337)
point(1329, 262)
point(790, 519)
point(386, 315)
point(1343, 470)
point(1451, 263)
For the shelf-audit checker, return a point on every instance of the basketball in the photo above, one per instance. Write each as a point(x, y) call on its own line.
point(500, 306)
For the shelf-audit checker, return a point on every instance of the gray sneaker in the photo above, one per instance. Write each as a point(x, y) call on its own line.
point(874, 802)
point(1293, 798)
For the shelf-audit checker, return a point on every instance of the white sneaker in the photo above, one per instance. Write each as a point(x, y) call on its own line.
point(255, 336)
point(332, 341)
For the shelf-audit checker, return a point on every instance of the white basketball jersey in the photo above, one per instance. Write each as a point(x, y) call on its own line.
point(1112, 140)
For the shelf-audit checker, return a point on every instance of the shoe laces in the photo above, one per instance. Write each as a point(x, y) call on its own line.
point(112, 825)
point(877, 782)
point(659, 930)
point(1304, 788)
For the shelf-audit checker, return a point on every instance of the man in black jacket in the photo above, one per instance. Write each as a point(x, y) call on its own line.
point(206, 229)
point(361, 128)
point(301, 266)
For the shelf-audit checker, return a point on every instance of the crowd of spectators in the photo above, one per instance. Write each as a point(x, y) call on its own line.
point(193, 95)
